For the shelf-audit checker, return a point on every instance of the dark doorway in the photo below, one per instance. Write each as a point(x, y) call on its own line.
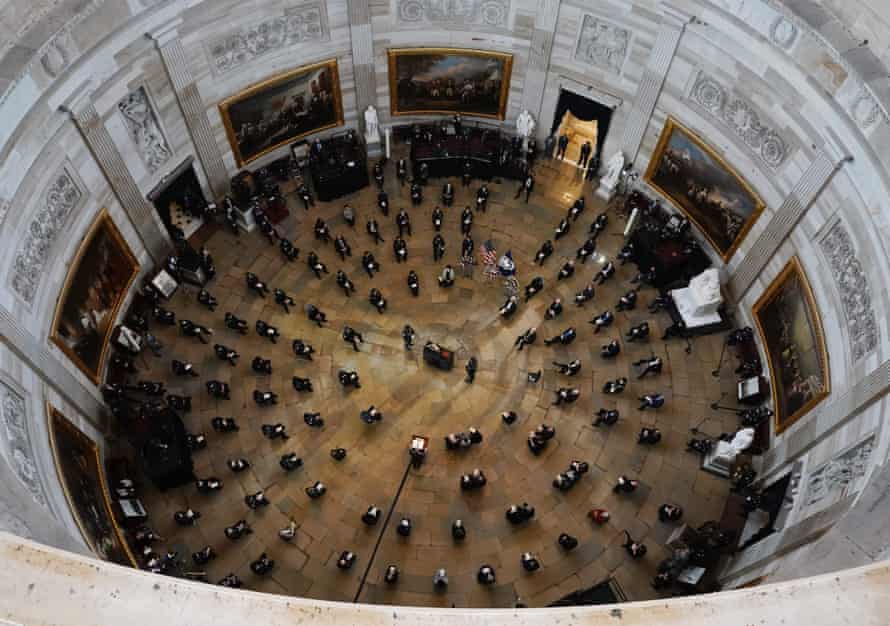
point(582, 119)
point(606, 592)
point(179, 200)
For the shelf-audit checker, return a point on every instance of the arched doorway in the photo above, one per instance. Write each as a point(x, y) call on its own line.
point(581, 119)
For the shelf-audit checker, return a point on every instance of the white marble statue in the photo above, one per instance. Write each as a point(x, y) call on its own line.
point(525, 124)
point(613, 171)
point(705, 290)
point(725, 453)
point(372, 123)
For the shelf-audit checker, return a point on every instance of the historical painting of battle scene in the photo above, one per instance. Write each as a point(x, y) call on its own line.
point(282, 109)
point(791, 330)
point(97, 284)
point(449, 80)
point(80, 471)
point(706, 189)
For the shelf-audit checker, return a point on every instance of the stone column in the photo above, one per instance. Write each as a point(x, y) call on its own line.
point(673, 24)
point(47, 366)
point(539, 59)
point(363, 69)
point(828, 160)
point(166, 37)
point(141, 213)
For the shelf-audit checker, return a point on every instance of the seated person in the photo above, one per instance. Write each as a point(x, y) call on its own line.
point(377, 300)
point(554, 310)
point(509, 307)
point(628, 301)
point(313, 419)
point(649, 436)
point(371, 516)
point(610, 350)
point(566, 395)
point(568, 369)
point(264, 398)
point(564, 338)
point(562, 229)
point(290, 461)
point(446, 278)
point(606, 272)
point(638, 332)
point(302, 349)
point(544, 251)
point(584, 295)
point(603, 320)
point(534, 287)
point(566, 270)
point(274, 431)
point(485, 575)
point(261, 365)
point(529, 562)
point(651, 401)
point(609, 417)
point(301, 384)
point(509, 417)
point(615, 386)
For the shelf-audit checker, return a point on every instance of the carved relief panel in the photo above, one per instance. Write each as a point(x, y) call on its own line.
point(602, 44)
point(144, 129)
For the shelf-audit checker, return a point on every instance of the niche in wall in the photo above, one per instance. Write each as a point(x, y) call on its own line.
point(179, 199)
point(581, 119)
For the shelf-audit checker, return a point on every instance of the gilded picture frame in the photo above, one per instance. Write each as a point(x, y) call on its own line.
point(98, 281)
point(282, 109)
point(79, 467)
point(699, 181)
point(484, 91)
point(790, 328)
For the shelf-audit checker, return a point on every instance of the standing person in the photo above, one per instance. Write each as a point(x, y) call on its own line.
point(584, 155)
point(471, 367)
point(527, 186)
point(305, 196)
point(563, 145)
point(408, 335)
point(549, 145)
point(383, 202)
point(400, 249)
point(402, 172)
point(438, 247)
point(468, 173)
point(349, 215)
point(374, 230)
point(466, 220)
point(438, 217)
point(378, 175)
point(352, 336)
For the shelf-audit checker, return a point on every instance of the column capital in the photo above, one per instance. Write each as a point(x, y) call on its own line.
point(674, 16)
point(835, 150)
point(164, 32)
point(80, 99)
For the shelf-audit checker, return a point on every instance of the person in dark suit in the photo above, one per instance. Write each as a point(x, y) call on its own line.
point(438, 218)
point(584, 154)
point(403, 222)
point(562, 146)
point(527, 186)
point(448, 194)
point(374, 230)
point(438, 247)
point(342, 247)
point(383, 203)
point(344, 283)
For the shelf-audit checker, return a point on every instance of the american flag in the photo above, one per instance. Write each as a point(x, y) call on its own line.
point(488, 254)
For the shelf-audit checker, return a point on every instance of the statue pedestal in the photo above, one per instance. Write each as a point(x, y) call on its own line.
point(720, 459)
point(373, 144)
point(245, 219)
point(606, 191)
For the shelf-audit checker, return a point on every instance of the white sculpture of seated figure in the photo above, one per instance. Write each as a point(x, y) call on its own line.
point(723, 455)
point(609, 182)
point(705, 291)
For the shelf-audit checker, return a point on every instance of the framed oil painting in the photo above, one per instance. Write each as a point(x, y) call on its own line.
point(97, 283)
point(695, 178)
point(791, 330)
point(282, 109)
point(449, 80)
point(80, 472)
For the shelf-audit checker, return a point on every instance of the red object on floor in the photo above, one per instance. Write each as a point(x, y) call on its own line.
point(276, 210)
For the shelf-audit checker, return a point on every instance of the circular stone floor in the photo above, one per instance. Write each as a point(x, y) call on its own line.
point(416, 399)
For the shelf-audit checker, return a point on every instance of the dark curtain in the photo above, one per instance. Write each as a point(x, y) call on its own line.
point(584, 109)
